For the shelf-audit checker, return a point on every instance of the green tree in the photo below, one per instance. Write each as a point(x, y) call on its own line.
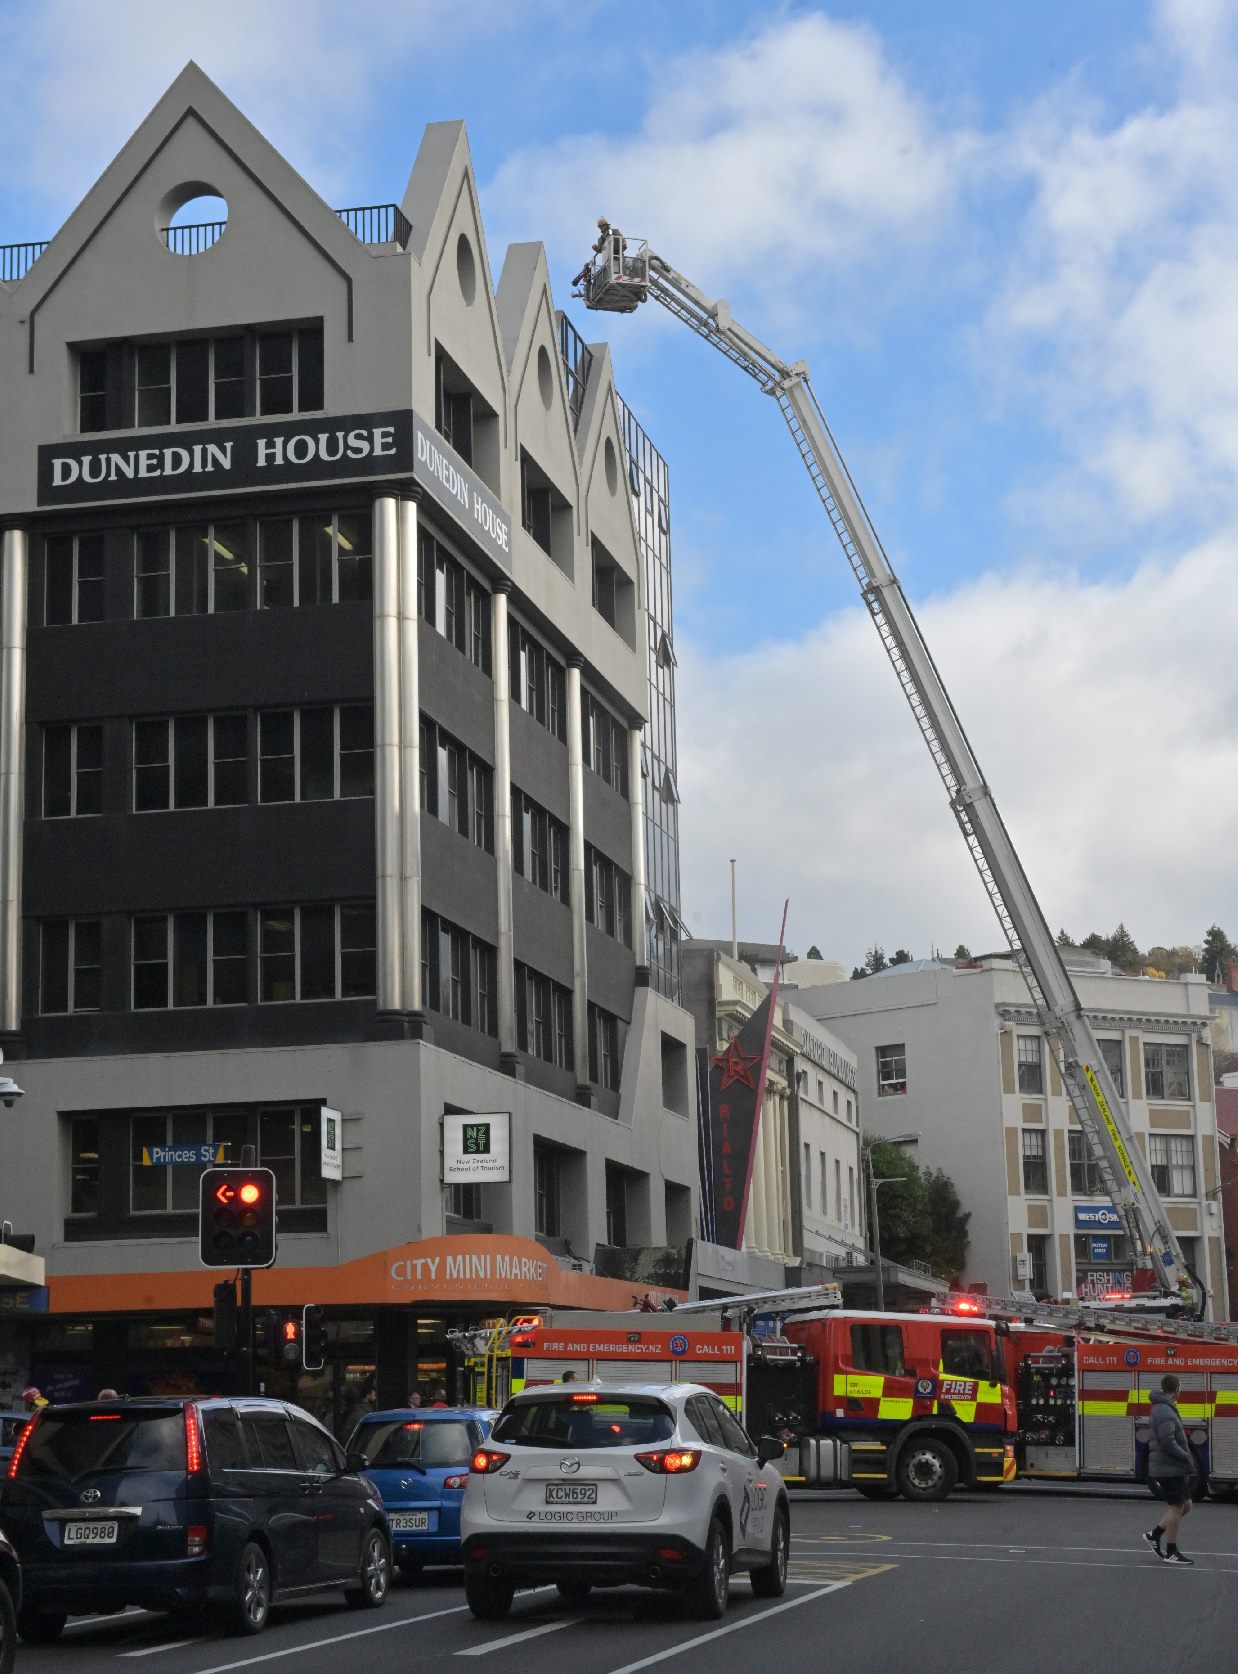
point(1096, 943)
point(814, 952)
point(906, 1226)
point(962, 952)
point(900, 956)
point(1065, 939)
point(1122, 951)
point(1218, 951)
point(948, 1222)
point(874, 960)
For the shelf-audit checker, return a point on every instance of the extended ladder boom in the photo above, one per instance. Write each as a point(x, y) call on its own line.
point(621, 275)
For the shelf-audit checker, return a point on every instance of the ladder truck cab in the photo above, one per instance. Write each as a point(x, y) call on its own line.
point(910, 1404)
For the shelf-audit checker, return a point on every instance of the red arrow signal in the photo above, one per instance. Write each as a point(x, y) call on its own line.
point(224, 1193)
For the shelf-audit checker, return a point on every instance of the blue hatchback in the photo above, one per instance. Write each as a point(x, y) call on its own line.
point(418, 1459)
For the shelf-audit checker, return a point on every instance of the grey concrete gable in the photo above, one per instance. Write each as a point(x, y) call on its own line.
point(546, 431)
point(610, 514)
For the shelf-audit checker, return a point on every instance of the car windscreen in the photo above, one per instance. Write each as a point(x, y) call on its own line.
point(414, 1441)
point(75, 1444)
point(585, 1420)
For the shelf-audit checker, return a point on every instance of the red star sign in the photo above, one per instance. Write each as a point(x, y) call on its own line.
point(737, 1065)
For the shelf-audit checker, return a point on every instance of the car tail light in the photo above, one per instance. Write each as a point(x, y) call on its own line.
point(193, 1441)
point(670, 1555)
point(670, 1461)
point(456, 1481)
point(487, 1460)
point(22, 1441)
point(197, 1537)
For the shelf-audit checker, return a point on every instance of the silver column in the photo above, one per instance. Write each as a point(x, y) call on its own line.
point(387, 832)
point(636, 795)
point(13, 561)
point(410, 759)
point(576, 841)
point(503, 823)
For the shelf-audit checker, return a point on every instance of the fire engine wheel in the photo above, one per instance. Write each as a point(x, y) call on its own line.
point(927, 1469)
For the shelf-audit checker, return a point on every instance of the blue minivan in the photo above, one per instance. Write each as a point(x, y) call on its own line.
point(173, 1503)
point(418, 1459)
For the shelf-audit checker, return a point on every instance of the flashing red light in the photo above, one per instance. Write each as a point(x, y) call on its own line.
point(487, 1460)
point(415, 1424)
point(963, 1306)
point(104, 1417)
point(670, 1461)
point(251, 1193)
point(193, 1445)
point(585, 1399)
point(22, 1443)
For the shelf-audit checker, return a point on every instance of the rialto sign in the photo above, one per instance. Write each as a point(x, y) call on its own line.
point(170, 464)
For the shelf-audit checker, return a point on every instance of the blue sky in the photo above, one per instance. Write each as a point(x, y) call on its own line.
point(1006, 239)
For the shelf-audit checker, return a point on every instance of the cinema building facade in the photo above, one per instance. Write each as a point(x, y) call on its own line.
point(324, 770)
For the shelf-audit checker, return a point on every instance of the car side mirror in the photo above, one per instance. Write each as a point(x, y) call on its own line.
point(357, 1461)
point(769, 1448)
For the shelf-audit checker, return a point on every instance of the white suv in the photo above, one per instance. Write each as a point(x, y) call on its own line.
point(605, 1485)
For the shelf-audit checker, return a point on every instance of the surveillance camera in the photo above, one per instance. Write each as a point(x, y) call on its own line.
point(10, 1092)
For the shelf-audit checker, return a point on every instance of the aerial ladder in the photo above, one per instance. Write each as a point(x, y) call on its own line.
point(621, 274)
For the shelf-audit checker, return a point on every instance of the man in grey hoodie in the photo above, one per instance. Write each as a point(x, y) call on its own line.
point(1170, 1468)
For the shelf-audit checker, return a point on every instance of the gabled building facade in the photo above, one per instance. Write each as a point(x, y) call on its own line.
point(325, 682)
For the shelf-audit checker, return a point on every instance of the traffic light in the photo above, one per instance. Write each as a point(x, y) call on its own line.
point(313, 1338)
point(290, 1341)
point(225, 1316)
point(236, 1217)
point(266, 1337)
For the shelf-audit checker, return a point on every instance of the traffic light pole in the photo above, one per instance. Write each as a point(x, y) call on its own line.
point(245, 1336)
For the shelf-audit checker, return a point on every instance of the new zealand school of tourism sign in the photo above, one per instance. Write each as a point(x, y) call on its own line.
point(238, 458)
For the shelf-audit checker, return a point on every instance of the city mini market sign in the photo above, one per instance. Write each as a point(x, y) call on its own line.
point(291, 453)
point(486, 1268)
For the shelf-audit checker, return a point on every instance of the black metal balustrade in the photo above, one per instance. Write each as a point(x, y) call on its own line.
point(378, 223)
point(16, 260)
point(193, 239)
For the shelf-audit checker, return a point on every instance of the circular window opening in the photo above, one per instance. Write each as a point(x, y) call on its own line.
point(545, 378)
point(466, 268)
point(192, 219)
point(611, 464)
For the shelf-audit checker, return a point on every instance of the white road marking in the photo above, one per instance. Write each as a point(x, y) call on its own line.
point(335, 1639)
point(151, 1650)
point(731, 1627)
point(1003, 1546)
point(512, 1639)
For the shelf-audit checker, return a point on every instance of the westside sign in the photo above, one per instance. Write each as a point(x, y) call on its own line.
point(1096, 1216)
point(164, 463)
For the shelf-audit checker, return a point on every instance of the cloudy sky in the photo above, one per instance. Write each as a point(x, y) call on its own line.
point(1006, 239)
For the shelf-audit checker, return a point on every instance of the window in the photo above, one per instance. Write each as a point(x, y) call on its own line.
point(289, 1143)
point(838, 1189)
point(319, 952)
point(847, 1206)
point(1087, 1243)
point(1111, 1051)
point(191, 570)
point(547, 1218)
point(891, 1070)
point(966, 1354)
point(604, 1048)
point(464, 1202)
point(453, 407)
point(1038, 1262)
point(73, 579)
point(543, 1017)
point(310, 560)
point(72, 771)
point(1172, 1157)
point(806, 1175)
point(616, 1207)
point(605, 743)
point(824, 1184)
point(536, 681)
point(1031, 1066)
point(452, 602)
point(539, 846)
point(84, 1165)
point(1085, 1175)
point(312, 755)
point(614, 595)
point(850, 1116)
point(70, 965)
point(1035, 1167)
point(821, 1094)
point(701, 1416)
point(733, 1436)
point(459, 974)
point(1165, 1072)
point(199, 379)
point(878, 1348)
point(608, 896)
point(190, 959)
point(225, 1447)
point(457, 787)
point(190, 761)
point(545, 513)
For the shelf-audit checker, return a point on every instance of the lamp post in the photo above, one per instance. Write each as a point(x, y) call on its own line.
point(874, 1182)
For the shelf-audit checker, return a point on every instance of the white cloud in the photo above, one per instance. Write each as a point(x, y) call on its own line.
point(78, 76)
point(796, 152)
point(1103, 714)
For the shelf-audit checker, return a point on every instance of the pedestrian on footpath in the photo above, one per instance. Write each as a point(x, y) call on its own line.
point(1170, 1468)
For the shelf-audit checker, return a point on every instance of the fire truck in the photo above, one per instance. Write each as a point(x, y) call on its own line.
point(1082, 1378)
point(889, 1404)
